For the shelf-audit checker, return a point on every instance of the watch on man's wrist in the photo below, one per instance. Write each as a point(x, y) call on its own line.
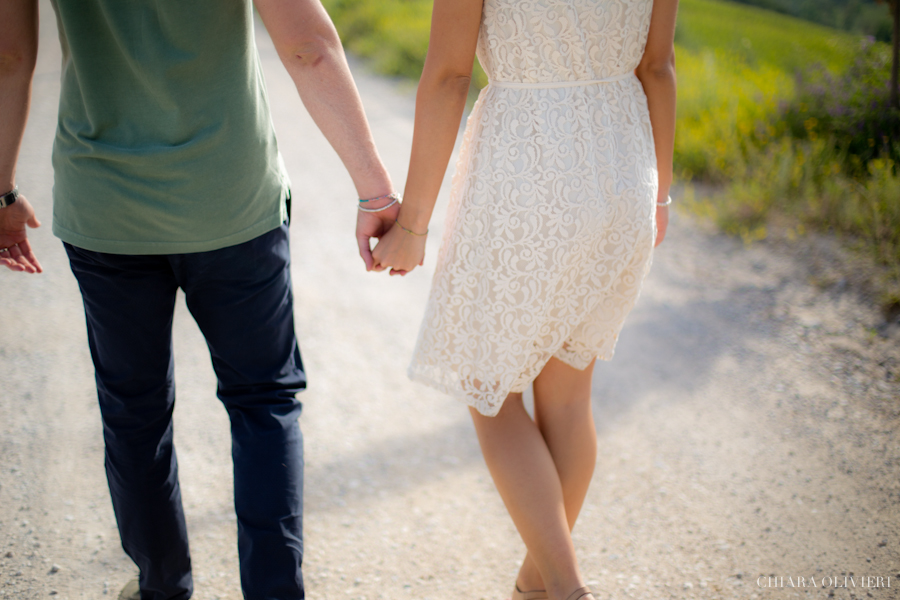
point(9, 197)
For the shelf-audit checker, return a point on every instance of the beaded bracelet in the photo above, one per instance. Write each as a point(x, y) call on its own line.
point(666, 203)
point(394, 195)
point(410, 230)
point(395, 198)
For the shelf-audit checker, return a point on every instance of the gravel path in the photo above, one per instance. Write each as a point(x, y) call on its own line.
point(748, 424)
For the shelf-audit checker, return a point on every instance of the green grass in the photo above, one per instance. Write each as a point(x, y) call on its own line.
point(725, 110)
point(761, 37)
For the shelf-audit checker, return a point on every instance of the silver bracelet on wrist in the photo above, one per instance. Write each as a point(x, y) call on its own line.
point(666, 203)
point(395, 198)
point(391, 195)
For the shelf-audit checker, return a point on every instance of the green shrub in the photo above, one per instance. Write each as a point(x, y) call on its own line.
point(803, 183)
point(852, 109)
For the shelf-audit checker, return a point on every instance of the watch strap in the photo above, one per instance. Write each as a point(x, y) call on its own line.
point(9, 197)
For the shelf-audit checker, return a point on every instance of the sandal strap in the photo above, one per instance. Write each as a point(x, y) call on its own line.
point(533, 594)
point(579, 593)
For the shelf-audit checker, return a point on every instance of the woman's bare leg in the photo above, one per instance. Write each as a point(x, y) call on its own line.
point(562, 409)
point(538, 487)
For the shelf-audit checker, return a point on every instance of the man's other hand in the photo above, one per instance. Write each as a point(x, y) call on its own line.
point(15, 251)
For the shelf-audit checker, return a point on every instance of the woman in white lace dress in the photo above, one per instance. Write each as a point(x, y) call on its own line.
point(557, 203)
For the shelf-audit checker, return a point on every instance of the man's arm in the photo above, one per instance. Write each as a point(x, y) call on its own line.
point(18, 53)
point(311, 50)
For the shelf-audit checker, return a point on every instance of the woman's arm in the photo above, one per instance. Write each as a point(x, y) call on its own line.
point(440, 101)
point(657, 75)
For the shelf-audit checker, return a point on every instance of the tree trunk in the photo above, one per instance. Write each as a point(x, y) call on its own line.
point(895, 62)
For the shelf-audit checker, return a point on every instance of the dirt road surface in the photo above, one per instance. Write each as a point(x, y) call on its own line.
point(748, 424)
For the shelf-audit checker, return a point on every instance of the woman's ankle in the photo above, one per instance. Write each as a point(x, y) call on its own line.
point(529, 578)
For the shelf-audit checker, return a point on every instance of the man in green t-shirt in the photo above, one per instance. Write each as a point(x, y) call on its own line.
point(167, 175)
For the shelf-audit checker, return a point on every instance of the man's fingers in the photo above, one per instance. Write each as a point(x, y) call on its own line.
point(33, 222)
point(27, 255)
point(11, 264)
point(17, 261)
point(365, 252)
point(33, 262)
point(16, 254)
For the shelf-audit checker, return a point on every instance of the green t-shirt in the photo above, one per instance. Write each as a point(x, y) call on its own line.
point(165, 143)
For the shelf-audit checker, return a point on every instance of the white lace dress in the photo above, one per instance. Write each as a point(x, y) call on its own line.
point(551, 222)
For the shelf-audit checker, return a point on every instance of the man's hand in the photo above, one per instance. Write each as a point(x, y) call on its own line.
point(373, 225)
point(15, 251)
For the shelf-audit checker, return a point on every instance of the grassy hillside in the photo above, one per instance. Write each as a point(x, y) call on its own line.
point(761, 37)
point(865, 17)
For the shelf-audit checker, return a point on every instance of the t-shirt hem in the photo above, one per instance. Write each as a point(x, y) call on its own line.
point(147, 247)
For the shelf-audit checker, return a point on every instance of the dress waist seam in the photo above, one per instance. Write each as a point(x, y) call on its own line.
point(520, 85)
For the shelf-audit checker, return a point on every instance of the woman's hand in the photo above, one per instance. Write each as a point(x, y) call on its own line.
point(662, 223)
point(399, 250)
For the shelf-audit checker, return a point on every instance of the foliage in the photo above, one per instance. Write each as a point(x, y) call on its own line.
point(813, 148)
point(726, 111)
point(393, 34)
point(852, 110)
point(802, 183)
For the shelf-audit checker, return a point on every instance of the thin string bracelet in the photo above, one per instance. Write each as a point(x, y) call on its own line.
point(395, 198)
point(391, 195)
point(410, 230)
point(666, 203)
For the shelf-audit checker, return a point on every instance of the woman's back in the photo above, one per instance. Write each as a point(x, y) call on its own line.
point(542, 41)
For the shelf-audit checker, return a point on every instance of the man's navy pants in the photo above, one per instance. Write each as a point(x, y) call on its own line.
point(241, 298)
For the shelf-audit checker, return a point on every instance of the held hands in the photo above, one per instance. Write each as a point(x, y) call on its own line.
point(400, 249)
point(373, 225)
point(15, 250)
